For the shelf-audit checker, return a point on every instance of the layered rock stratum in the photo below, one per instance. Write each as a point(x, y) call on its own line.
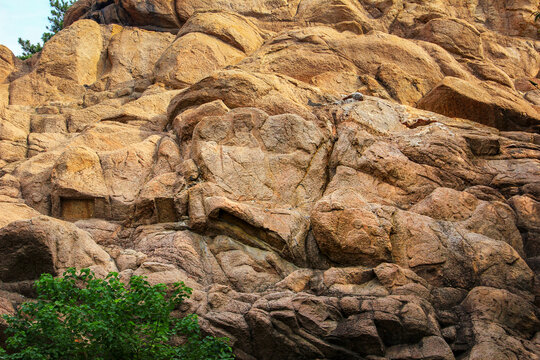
point(335, 179)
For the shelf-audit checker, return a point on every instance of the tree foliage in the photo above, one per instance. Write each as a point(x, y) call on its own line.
point(56, 23)
point(81, 317)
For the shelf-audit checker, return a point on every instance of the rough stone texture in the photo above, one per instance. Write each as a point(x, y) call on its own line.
point(131, 56)
point(8, 63)
point(192, 57)
point(62, 69)
point(484, 103)
point(334, 179)
point(42, 244)
point(238, 88)
point(334, 61)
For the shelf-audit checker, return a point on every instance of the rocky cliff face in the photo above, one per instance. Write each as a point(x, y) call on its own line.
point(225, 144)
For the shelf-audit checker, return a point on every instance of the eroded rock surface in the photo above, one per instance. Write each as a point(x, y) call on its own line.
point(334, 179)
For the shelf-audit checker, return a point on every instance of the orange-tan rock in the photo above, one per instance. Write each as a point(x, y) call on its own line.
point(334, 179)
point(8, 63)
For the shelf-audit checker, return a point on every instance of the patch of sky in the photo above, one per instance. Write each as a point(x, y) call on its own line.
point(25, 19)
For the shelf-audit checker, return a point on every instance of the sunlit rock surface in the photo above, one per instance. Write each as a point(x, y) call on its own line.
point(334, 179)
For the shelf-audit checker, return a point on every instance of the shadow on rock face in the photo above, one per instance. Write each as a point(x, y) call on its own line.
point(46, 245)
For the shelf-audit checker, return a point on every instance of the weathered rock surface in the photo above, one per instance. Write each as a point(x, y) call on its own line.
point(8, 63)
point(483, 103)
point(41, 244)
point(334, 179)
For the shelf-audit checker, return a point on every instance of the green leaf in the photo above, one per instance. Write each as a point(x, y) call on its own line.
point(56, 23)
point(80, 317)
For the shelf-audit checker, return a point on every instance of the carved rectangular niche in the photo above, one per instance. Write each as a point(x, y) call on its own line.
point(165, 210)
point(73, 209)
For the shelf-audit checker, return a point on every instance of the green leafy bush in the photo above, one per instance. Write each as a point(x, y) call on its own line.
point(81, 317)
point(56, 20)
